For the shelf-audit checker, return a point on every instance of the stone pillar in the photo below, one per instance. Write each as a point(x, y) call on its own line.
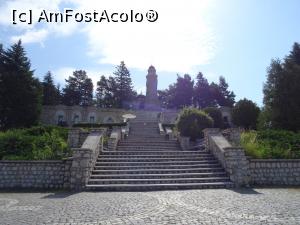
point(73, 137)
point(80, 168)
point(84, 159)
point(184, 142)
point(237, 166)
point(233, 135)
point(207, 132)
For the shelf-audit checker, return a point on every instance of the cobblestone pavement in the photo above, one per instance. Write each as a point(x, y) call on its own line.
point(220, 206)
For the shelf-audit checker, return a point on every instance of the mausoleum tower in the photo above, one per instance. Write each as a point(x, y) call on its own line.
point(151, 101)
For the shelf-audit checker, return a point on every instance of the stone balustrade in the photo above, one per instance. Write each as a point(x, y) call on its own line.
point(84, 160)
point(161, 129)
point(233, 159)
point(115, 137)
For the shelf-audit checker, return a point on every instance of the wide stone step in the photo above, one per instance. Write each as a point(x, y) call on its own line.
point(158, 155)
point(102, 167)
point(139, 146)
point(158, 171)
point(144, 136)
point(159, 181)
point(153, 152)
point(158, 176)
point(148, 147)
point(162, 163)
point(131, 158)
point(148, 187)
point(174, 149)
point(158, 159)
point(163, 141)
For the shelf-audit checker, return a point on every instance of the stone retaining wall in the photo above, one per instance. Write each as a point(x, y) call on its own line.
point(275, 171)
point(243, 170)
point(233, 159)
point(35, 174)
point(72, 173)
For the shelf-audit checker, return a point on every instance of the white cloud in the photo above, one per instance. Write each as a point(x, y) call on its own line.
point(63, 73)
point(179, 41)
point(31, 36)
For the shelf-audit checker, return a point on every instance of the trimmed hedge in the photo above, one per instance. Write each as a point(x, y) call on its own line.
point(36, 143)
point(192, 121)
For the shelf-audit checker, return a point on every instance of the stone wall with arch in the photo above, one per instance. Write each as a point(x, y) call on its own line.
point(79, 114)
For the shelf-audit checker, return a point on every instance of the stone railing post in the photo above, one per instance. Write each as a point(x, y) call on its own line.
point(80, 168)
point(84, 159)
point(233, 135)
point(237, 165)
point(207, 132)
point(73, 137)
point(233, 159)
point(114, 138)
point(184, 142)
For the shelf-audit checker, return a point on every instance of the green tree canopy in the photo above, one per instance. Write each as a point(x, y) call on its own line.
point(124, 92)
point(226, 97)
point(245, 114)
point(203, 96)
point(106, 91)
point(51, 93)
point(78, 89)
point(216, 115)
point(20, 92)
point(281, 91)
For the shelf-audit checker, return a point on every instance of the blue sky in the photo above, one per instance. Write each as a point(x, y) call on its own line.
point(235, 39)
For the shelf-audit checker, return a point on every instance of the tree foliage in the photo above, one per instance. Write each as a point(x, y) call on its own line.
point(199, 93)
point(115, 91)
point(78, 89)
point(281, 91)
point(225, 97)
point(20, 92)
point(216, 115)
point(202, 92)
point(51, 93)
point(245, 114)
point(105, 92)
point(123, 92)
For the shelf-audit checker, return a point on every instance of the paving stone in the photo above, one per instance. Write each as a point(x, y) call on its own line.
point(212, 206)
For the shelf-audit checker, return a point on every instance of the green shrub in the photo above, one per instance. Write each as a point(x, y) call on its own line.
point(216, 115)
point(271, 144)
point(34, 143)
point(191, 123)
point(14, 142)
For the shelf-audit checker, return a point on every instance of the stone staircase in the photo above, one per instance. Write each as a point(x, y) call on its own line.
point(145, 160)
